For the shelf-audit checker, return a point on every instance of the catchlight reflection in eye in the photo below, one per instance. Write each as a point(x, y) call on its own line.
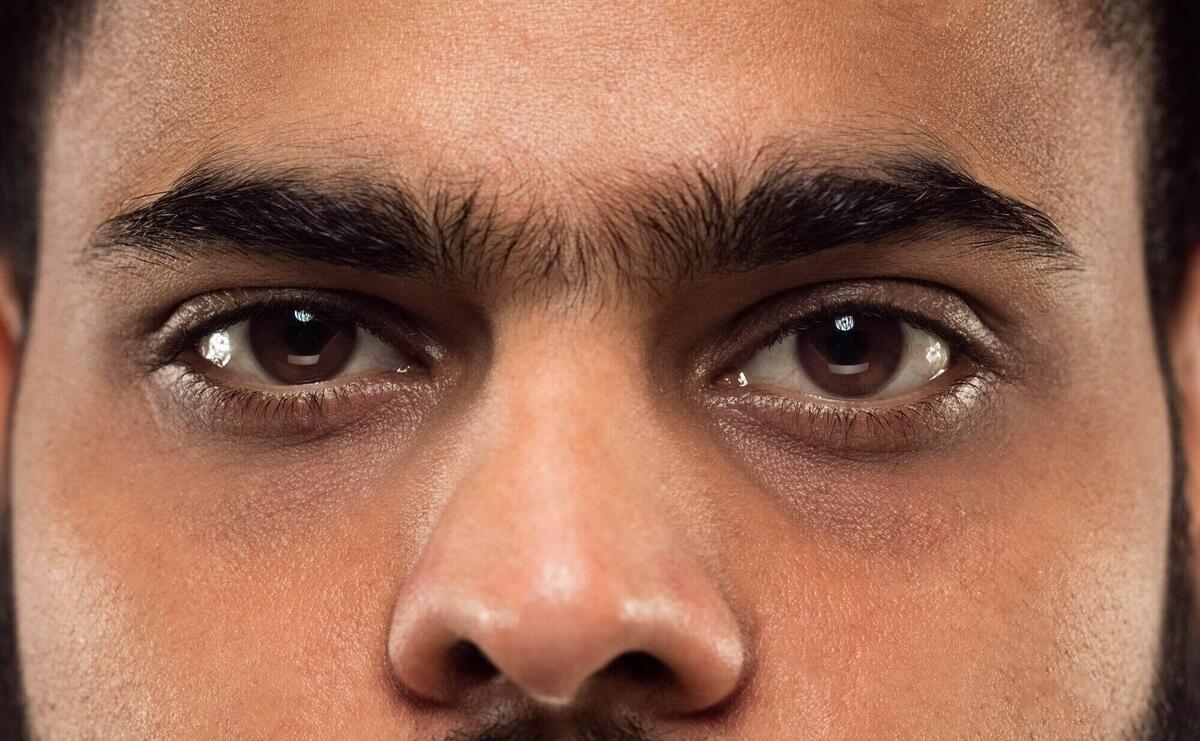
point(305, 318)
point(215, 348)
point(846, 324)
point(295, 345)
point(849, 356)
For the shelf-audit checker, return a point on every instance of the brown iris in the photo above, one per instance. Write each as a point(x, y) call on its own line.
point(851, 355)
point(298, 345)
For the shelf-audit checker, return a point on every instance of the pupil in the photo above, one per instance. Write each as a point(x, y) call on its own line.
point(847, 344)
point(306, 335)
point(851, 355)
point(297, 345)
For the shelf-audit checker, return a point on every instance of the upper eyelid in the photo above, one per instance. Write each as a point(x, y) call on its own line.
point(952, 335)
point(214, 311)
point(789, 313)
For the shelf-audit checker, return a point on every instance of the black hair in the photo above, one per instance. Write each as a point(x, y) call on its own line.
point(1171, 203)
point(1161, 38)
point(32, 33)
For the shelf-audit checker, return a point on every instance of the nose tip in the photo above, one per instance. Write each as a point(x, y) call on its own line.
point(678, 653)
point(562, 570)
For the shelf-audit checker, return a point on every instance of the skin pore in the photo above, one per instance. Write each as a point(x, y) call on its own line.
point(567, 492)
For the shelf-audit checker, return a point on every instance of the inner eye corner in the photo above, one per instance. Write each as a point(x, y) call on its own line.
point(300, 342)
point(848, 354)
point(726, 377)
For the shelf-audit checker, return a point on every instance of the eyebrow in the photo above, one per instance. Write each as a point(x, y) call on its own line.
point(695, 221)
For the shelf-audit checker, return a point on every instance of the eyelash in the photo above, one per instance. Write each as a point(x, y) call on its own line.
point(305, 411)
point(960, 345)
point(845, 428)
point(314, 411)
point(179, 340)
point(855, 426)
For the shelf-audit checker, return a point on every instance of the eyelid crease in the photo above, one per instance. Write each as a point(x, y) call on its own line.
point(193, 319)
point(864, 429)
point(958, 343)
point(917, 303)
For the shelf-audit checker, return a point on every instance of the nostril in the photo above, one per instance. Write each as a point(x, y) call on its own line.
point(641, 668)
point(469, 664)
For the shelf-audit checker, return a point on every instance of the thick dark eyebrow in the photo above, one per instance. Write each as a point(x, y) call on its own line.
point(792, 209)
point(691, 223)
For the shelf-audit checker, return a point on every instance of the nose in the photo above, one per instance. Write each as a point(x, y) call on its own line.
point(558, 572)
point(563, 640)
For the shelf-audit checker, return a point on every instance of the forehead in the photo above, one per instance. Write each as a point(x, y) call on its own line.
point(556, 93)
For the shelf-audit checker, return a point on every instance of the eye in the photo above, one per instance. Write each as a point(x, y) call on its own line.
point(298, 344)
point(849, 356)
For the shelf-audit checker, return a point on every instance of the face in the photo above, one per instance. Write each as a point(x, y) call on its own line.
point(721, 370)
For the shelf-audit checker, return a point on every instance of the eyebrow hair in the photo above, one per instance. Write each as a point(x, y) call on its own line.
point(695, 221)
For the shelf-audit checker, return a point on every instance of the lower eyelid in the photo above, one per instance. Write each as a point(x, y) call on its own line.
point(232, 354)
point(866, 427)
point(935, 309)
point(777, 363)
point(192, 319)
point(195, 401)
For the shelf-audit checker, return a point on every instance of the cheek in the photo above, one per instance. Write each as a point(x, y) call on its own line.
point(1015, 580)
point(85, 664)
point(152, 579)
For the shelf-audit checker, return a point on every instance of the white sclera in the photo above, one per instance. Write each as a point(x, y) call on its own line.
point(924, 357)
point(230, 349)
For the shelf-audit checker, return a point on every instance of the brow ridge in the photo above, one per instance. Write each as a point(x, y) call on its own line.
point(697, 221)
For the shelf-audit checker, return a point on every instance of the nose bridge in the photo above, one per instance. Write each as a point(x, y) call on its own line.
point(549, 466)
point(562, 455)
point(564, 451)
point(555, 494)
point(554, 557)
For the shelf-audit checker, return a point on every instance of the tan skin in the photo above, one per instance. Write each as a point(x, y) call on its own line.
point(569, 479)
